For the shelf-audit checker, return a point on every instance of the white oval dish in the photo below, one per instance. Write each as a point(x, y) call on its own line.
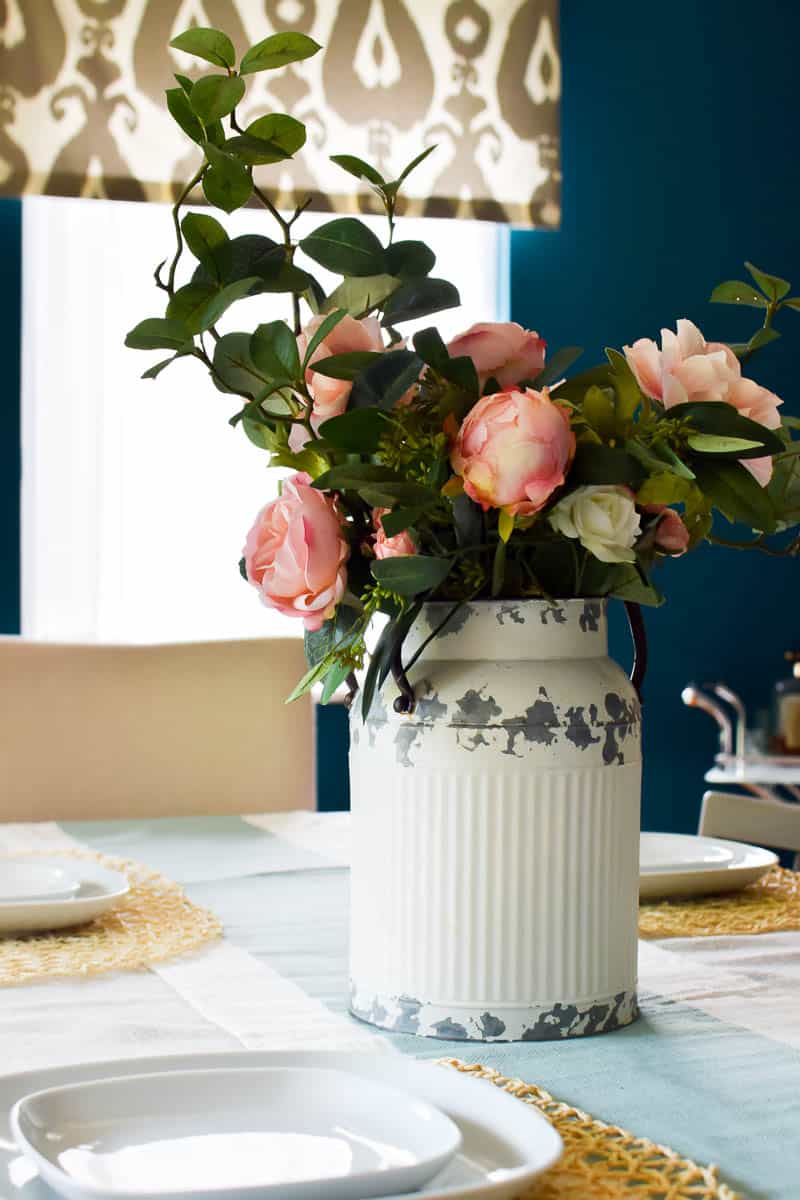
point(301, 1134)
point(682, 864)
point(24, 879)
point(506, 1144)
point(97, 890)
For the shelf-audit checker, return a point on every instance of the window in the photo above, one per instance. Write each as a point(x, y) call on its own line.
point(137, 495)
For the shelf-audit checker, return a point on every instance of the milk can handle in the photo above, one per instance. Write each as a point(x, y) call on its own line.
point(639, 635)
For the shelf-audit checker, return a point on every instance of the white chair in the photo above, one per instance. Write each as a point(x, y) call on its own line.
point(92, 731)
point(758, 819)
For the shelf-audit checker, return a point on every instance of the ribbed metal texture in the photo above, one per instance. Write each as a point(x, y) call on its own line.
point(478, 887)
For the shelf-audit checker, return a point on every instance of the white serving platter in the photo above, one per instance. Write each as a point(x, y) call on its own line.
point(682, 864)
point(27, 878)
point(282, 1133)
point(505, 1145)
point(97, 890)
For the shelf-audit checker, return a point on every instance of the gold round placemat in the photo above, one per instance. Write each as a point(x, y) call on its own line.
point(769, 905)
point(154, 921)
point(604, 1162)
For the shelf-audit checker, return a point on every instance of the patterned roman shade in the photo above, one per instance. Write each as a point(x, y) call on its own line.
point(82, 108)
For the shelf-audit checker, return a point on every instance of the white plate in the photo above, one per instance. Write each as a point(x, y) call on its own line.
point(98, 889)
point(506, 1143)
point(681, 864)
point(31, 879)
point(288, 1132)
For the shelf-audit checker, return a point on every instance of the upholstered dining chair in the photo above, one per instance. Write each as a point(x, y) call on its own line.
point(95, 731)
point(755, 819)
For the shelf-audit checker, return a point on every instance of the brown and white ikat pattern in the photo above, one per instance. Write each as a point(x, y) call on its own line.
point(82, 110)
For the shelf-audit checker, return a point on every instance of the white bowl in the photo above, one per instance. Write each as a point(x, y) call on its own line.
point(96, 889)
point(683, 864)
point(23, 879)
point(296, 1133)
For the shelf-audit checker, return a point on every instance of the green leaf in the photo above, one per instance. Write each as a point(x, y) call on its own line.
point(189, 303)
point(383, 383)
point(273, 348)
point(234, 366)
point(420, 298)
point(762, 337)
point(223, 299)
point(185, 83)
point(359, 168)
point(468, 520)
point(322, 331)
point(278, 51)
point(312, 676)
point(627, 394)
point(358, 431)
point(203, 234)
point(389, 642)
point(337, 675)
point(254, 254)
point(561, 361)
point(628, 584)
point(736, 292)
point(227, 183)
point(784, 492)
point(181, 112)
point(318, 643)
point(460, 371)
point(404, 174)
point(405, 493)
point(214, 96)
point(154, 371)
point(732, 489)
point(399, 519)
point(346, 366)
point(270, 139)
point(346, 246)
point(599, 464)
point(727, 447)
point(210, 44)
point(409, 260)
point(574, 389)
point(352, 476)
point(410, 574)
point(665, 454)
point(771, 285)
point(158, 333)
point(359, 296)
point(600, 412)
point(719, 418)
point(793, 302)
point(505, 525)
point(665, 488)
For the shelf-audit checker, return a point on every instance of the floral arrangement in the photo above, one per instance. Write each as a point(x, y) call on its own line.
point(424, 470)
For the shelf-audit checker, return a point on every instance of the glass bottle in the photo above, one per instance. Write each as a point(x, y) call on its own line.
point(786, 723)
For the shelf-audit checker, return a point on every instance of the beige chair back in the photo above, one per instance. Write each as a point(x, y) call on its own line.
point(753, 819)
point(89, 731)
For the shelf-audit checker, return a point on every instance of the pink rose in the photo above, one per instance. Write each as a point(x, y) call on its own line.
point(672, 536)
point(330, 396)
point(295, 553)
point(513, 450)
point(760, 405)
point(390, 547)
point(687, 367)
point(503, 350)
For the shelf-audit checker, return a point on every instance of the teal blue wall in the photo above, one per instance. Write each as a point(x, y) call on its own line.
point(10, 274)
point(680, 160)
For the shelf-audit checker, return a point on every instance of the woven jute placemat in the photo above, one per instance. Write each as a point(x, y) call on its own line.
point(604, 1162)
point(769, 905)
point(154, 921)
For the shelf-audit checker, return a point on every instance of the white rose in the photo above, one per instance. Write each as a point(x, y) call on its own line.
point(604, 519)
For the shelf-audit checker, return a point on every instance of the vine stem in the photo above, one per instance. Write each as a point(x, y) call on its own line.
point(286, 230)
point(176, 208)
point(790, 551)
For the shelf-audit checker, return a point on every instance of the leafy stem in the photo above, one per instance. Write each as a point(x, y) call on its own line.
point(792, 550)
point(286, 230)
point(176, 213)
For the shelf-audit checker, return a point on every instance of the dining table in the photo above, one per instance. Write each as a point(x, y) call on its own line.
point(711, 1068)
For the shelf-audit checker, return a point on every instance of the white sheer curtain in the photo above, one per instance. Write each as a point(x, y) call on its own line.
point(137, 495)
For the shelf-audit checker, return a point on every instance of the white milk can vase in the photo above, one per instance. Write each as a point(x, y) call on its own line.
point(495, 860)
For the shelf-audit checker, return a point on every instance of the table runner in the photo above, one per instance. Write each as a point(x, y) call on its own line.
point(711, 1069)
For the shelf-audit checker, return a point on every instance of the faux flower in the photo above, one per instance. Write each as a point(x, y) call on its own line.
point(295, 553)
point(603, 518)
point(760, 405)
point(501, 349)
point(513, 450)
point(390, 547)
point(687, 367)
point(330, 396)
point(672, 536)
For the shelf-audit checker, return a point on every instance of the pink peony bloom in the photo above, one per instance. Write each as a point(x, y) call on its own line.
point(687, 367)
point(295, 553)
point(760, 405)
point(513, 450)
point(503, 350)
point(390, 547)
point(672, 536)
point(330, 396)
